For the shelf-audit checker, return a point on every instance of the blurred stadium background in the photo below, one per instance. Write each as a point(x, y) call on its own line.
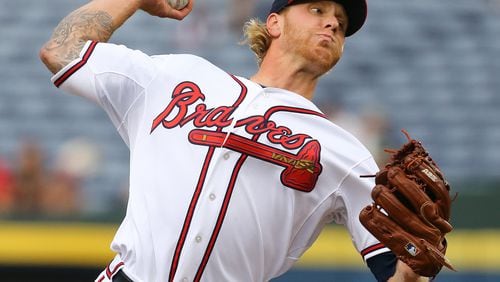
point(431, 67)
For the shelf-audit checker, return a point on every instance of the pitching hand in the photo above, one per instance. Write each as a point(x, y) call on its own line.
point(160, 8)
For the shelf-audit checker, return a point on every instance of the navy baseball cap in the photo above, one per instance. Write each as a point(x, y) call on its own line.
point(356, 11)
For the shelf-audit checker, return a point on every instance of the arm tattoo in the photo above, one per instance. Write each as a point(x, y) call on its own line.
point(73, 31)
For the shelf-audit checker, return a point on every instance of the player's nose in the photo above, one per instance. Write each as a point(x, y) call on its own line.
point(332, 23)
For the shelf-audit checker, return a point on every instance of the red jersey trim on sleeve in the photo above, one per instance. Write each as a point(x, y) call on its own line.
point(374, 250)
point(78, 65)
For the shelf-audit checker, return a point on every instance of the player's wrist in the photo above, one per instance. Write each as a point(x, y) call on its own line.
point(405, 273)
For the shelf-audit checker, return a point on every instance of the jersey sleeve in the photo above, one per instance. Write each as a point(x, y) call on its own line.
point(355, 194)
point(112, 76)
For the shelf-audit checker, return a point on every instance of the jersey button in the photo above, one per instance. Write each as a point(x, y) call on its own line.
point(212, 196)
point(185, 279)
point(226, 156)
point(198, 239)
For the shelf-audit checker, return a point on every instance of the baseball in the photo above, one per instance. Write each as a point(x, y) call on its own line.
point(177, 4)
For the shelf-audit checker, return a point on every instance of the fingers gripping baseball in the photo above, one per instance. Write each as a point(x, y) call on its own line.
point(167, 8)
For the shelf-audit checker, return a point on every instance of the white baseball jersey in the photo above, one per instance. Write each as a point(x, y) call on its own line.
point(229, 180)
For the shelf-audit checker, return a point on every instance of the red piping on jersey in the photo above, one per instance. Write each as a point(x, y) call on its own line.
point(293, 110)
point(231, 185)
point(77, 66)
point(110, 273)
point(189, 216)
point(194, 200)
point(372, 248)
point(220, 219)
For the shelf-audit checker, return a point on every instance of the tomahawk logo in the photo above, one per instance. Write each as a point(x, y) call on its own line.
point(301, 170)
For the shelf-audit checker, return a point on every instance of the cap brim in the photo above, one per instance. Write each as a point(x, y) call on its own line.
point(356, 12)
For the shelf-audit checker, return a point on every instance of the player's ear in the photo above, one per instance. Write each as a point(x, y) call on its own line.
point(274, 24)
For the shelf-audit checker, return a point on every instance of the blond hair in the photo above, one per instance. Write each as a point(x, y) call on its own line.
point(257, 37)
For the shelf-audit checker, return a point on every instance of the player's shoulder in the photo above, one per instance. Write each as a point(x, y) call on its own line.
point(183, 60)
point(341, 142)
point(123, 50)
point(183, 57)
point(188, 64)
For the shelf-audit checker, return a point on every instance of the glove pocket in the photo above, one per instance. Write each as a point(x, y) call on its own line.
point(403, 216)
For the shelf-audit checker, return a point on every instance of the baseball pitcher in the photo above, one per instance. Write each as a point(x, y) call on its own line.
point(231, 178)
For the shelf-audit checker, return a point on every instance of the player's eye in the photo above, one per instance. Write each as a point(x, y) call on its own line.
point(316, 10)
point(341, 25)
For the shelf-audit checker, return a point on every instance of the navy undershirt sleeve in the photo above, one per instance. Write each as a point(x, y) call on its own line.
point(383, 266)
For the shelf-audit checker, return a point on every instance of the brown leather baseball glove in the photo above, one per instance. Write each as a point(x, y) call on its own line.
point(411, 210)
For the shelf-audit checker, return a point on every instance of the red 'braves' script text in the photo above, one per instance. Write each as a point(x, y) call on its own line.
point(187, 106)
